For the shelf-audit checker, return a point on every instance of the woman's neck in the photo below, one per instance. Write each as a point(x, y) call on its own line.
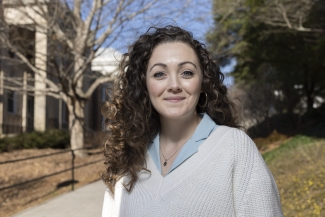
point(175, 131)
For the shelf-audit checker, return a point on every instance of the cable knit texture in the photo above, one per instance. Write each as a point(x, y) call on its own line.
point(226, 177)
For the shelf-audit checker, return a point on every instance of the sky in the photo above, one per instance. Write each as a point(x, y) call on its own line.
point(196, 17)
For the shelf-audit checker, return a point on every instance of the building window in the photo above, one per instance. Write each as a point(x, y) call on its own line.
point(104, 88)
point(11, 101)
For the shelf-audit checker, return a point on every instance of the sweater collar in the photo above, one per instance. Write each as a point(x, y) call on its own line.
point(202, 131)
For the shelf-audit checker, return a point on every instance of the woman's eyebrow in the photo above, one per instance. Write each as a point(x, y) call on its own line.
point(179, 65)
point(158, 64)
point(187, 62)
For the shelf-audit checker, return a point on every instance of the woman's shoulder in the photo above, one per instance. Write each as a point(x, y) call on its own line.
point(242, 147)
point(232, 133)
point(235, 139)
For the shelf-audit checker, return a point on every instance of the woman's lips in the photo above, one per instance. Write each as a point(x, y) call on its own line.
point(174, 98)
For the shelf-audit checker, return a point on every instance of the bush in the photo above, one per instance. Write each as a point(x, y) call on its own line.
point(312, 123)
point(264, 143)
point(49, 139)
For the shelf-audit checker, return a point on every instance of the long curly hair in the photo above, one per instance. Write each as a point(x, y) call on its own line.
point(132, 122)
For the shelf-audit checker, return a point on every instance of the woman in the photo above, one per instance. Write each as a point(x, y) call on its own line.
point(173, 147)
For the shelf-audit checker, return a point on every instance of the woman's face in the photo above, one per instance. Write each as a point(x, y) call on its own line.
point(174, 80)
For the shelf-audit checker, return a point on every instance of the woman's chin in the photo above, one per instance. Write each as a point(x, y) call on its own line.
point(176, 114)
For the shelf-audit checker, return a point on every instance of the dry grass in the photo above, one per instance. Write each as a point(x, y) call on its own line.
point(299, 170)
point(19, 198)
point(271, 142)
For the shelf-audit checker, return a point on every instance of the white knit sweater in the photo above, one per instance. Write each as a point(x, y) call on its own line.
point(226, 177)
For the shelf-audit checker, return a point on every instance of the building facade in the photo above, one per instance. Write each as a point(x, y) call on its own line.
point(22, 110)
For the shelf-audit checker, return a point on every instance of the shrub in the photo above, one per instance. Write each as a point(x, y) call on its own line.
point(275, 137)
point(49, 139)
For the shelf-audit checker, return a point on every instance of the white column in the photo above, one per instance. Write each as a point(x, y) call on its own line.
point(1, 97)
point(40, 96)
point(24, 104)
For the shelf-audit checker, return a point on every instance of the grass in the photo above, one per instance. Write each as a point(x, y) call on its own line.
point(289, 145)
point(298, 166)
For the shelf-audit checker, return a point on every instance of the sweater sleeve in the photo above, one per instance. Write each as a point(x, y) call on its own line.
point(109, 204)
point(255, 191)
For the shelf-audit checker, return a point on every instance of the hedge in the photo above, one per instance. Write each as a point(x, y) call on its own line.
point(49, 139)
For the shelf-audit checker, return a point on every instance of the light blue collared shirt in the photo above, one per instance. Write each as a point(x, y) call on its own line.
point(202, 132)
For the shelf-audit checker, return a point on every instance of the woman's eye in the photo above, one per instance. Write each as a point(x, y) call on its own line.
point(187, 73)
point(158, 75)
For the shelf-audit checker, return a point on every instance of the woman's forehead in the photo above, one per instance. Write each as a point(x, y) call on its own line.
point(173, 51)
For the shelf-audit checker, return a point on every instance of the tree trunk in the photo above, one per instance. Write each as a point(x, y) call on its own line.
point(309, 87)
point(76, 110)
point(310, 102)
point(76, 126)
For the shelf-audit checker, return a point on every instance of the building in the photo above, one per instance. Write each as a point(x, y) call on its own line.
point(22, 110)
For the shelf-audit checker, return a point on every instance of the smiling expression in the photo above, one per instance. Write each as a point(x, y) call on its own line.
point(174, 80)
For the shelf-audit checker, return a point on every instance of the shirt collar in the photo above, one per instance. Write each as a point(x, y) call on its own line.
point(204, 129)
point(154, 151)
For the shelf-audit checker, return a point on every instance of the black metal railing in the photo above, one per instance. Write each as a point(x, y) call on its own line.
point(73, 167)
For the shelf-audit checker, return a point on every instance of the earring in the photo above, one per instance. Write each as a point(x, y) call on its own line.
point(206, 100)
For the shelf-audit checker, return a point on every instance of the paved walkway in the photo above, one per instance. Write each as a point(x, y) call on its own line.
point(86, 201)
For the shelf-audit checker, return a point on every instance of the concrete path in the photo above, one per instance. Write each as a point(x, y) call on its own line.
point(86, 201)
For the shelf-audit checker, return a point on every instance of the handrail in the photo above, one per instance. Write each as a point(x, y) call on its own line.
point(40, 156)
point(52, 174)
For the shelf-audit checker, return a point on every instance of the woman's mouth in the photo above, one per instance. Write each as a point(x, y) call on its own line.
point(174, 98)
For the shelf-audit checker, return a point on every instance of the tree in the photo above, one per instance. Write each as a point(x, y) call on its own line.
point(294, 15)
point(68, 35)
point(275, 43)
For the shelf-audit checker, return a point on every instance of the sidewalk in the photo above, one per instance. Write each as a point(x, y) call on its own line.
point(86, 201)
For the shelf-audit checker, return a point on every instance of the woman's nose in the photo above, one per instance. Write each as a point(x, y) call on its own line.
point(174, 85)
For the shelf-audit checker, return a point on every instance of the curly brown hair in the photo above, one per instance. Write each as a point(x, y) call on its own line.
point(131, 120)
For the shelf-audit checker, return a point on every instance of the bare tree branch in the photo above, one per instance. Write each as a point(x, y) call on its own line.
point(4, 40)
point(283, 12)
point(74, 31)
point(290, 14)
point(96, 83)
